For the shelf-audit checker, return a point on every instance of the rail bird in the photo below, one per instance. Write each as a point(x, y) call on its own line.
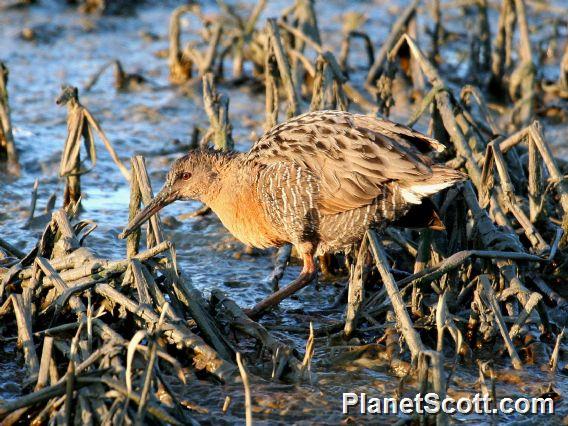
point(317, 181)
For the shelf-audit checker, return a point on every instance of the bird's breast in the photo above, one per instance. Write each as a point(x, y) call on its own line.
point(240, 211)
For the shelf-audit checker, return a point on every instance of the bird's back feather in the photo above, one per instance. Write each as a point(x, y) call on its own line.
point(354, 158)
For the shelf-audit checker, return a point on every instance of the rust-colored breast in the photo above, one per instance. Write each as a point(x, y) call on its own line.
point(240, 210)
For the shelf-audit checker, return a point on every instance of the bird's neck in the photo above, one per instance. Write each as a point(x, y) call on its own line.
point(234, 199)
point(231, 178)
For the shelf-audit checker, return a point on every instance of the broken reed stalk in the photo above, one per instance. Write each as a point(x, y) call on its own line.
point(23, 319)
point(179, 64)
point(494, 160)
point(154, 233)
point(398, 28)
point(44, 394)
point(11, 249)
point(309, 353)
point(327, 91)
point(80, 126)
point(243, 37)
point(33, 202)
point(563, 77)
point(272, 99)
point(8, 152)
point(275, 48)
point(133, 240)
point(503, 43)
point(123, 81)
point(198, 308)
point(45, 364)
point(524, 76)
point(205, 61)
point(534, 136)
point(437, 31)
point(217, 108)
point(346, 48)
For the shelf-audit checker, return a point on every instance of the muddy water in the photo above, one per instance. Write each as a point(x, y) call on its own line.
point(69, 48)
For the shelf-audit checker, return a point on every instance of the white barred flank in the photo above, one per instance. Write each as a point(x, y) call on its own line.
point(415, 193)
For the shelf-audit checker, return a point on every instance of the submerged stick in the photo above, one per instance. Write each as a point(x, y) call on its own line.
point(239, 320)
point(492, 301)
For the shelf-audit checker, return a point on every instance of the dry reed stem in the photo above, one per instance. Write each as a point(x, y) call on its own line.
point(80, 125)
point(217, 108)
point(123, 81)
point(246, 385)
point(179, 64)
point(491, 301)
point(198, 308)
point(275, 48)
point(356, 289)
point(409, 332)
point(556, 351)
point(25, 338)
point(309, 353)
point(8, 152)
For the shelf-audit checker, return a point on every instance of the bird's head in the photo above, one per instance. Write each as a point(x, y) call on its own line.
point(191, 177)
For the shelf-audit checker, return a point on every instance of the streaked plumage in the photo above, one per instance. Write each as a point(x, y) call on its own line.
point(331, 174)
point(318, 181)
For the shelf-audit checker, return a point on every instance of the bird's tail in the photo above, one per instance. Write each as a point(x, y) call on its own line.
point(442, 177)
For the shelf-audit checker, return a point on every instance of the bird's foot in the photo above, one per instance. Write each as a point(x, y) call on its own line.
point(275, 298)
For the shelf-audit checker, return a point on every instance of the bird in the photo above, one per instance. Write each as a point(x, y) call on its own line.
point(318, 181)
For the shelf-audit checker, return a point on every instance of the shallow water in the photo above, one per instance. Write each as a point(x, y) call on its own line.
point(69, 49)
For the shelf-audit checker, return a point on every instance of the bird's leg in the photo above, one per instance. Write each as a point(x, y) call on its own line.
point(306, 276)
point(282, 259)
point(325, 266)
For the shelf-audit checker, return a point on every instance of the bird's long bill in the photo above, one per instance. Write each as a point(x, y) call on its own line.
point(160, 201)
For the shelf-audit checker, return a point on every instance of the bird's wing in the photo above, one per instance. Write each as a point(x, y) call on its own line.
point(353, 156)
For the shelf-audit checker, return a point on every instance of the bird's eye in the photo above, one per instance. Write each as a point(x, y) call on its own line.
point(186, 176)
